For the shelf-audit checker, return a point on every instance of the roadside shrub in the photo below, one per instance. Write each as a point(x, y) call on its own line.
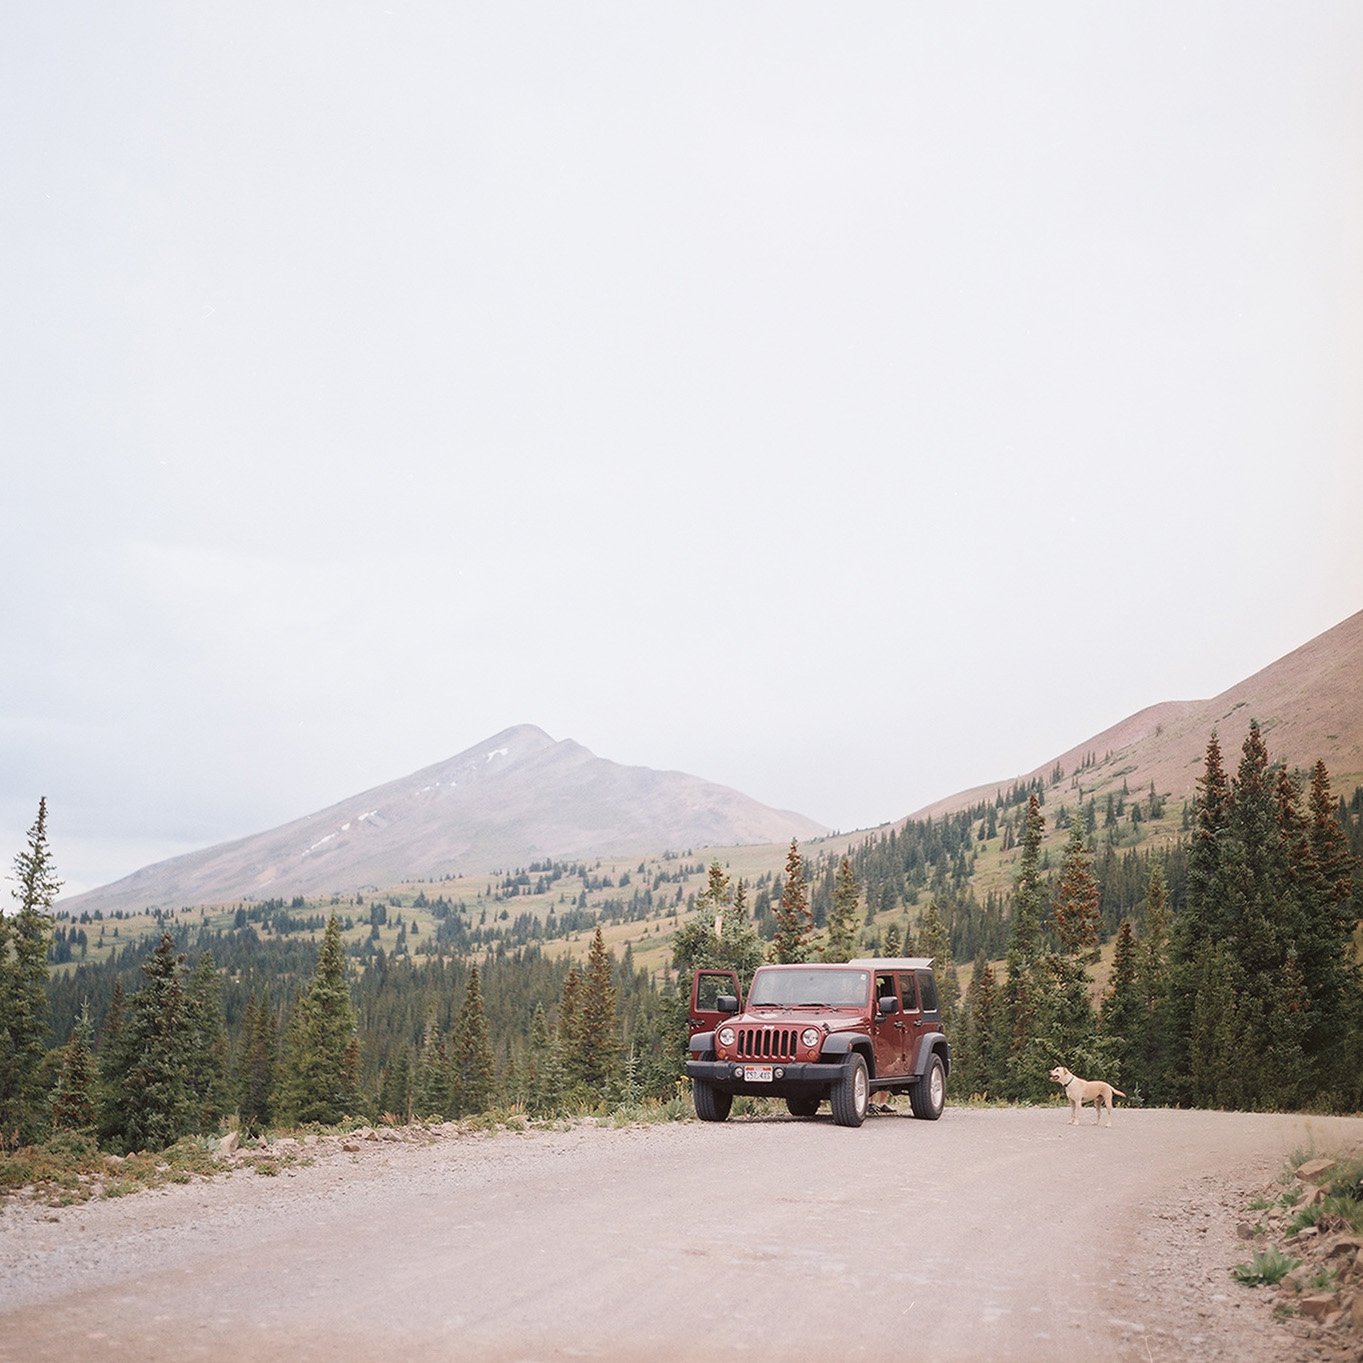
point(1269, 1266)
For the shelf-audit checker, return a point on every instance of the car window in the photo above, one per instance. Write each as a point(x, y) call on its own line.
point(790, 988)
point(885, 988)
point(929, 987)
point(910, 993)
point(709, 988)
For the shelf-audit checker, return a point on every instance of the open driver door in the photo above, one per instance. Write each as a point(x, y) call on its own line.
point(714, 997)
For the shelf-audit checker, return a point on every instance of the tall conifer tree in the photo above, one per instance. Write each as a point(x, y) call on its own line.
point(598, 1050)
point(208, 1081)
point(1330, 967)
point(1152, 1062)
point(1197, 930)
point(323, 1082)
point(24, 941)
point(258, 1071)
point(75, 1095)
point(1075, 920)
point(794, 923)
point(471, 1051)
point(1026, 1000)
point(148, 1101)
point(1123, 1017)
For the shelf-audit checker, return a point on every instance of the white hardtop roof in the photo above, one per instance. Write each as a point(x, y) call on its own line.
point(894, 962)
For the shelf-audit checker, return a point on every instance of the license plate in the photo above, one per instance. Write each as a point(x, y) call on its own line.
point(757, 1074)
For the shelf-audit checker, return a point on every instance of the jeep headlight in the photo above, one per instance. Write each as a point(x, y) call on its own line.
point(726, 1036)
point(811, 1036)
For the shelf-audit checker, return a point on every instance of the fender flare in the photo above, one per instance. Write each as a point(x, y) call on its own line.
point(838, 1045)
point(702, 1046)
point(939, 1046)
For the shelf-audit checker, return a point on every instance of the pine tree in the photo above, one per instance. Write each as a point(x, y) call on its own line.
point(935, 943)
point(569, 1032)
point(1261, 923)
point(1329, 965)
point(1075, 920)
point(108, 1051)
point(397, 1094)
point(1197, 929)
point(1074, 915)
point(147, 1096)
point(322, 1050)
point(1152, 1058)
point(471, 1051)
point(739, 947)
point(721, 936)
point(75, 1095)
point(1026, 996)
point(1123, 1016)
point(24, 941)
point(544, 1087)
point(1217, 1059)
point(435, 1086)
point(258, 1072)
point(207, 1046)
point(982, 1069)
point(713, 902)
point(794, 923)
point(597, 1057)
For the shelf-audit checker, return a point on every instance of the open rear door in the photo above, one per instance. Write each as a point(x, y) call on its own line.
point(706, 988)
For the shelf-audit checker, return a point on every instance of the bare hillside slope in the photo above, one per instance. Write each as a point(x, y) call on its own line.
point(1309, 705)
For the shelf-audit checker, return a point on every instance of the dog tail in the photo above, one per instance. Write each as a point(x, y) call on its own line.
point(1119, 1093)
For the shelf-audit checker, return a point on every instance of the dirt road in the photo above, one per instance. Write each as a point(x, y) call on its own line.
point(992, 1234)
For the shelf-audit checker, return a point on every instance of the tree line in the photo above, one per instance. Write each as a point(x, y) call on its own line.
point(1249, 996)
point(293, 1034)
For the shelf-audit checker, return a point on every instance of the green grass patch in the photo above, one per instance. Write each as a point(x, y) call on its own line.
point(1267, 1267)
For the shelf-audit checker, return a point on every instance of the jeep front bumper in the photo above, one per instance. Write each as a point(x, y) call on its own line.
point(777, 1079)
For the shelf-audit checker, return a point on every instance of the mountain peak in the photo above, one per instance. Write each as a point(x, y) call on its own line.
point(517, 797)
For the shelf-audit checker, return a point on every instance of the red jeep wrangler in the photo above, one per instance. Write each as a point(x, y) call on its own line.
point(810, 1032)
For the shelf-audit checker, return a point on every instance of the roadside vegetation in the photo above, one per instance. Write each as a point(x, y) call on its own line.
point(1307, 1234)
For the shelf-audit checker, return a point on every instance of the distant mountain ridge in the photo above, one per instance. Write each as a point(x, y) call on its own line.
point(1309, 705)
point(521, 796)
point(518, 797)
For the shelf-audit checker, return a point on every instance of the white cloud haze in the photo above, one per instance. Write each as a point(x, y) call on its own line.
point(845, 405)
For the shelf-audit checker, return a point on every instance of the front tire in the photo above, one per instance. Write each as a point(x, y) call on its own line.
point(712, 1104)
point(929, 1095)
point(851, 1094)
point(802, 1106)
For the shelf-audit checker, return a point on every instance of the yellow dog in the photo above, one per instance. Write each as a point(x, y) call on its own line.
point(1081, 1091)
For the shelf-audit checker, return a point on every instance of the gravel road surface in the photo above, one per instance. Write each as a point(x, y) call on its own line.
point(991, 1234)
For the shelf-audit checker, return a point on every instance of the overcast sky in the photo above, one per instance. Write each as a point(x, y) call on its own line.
point(847, 404)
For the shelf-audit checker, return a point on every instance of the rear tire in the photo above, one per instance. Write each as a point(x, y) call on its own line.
point(712, 1104)
point(851, 1094)
point(803, 1106)
point(929, 1095)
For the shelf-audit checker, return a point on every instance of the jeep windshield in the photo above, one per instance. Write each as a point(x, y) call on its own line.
point(810, 988)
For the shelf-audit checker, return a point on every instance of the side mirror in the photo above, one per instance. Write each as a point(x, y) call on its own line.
point(889, 1004)
point(726, 1003)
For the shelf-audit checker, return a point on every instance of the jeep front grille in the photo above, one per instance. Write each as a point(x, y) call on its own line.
point(767, 1043)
